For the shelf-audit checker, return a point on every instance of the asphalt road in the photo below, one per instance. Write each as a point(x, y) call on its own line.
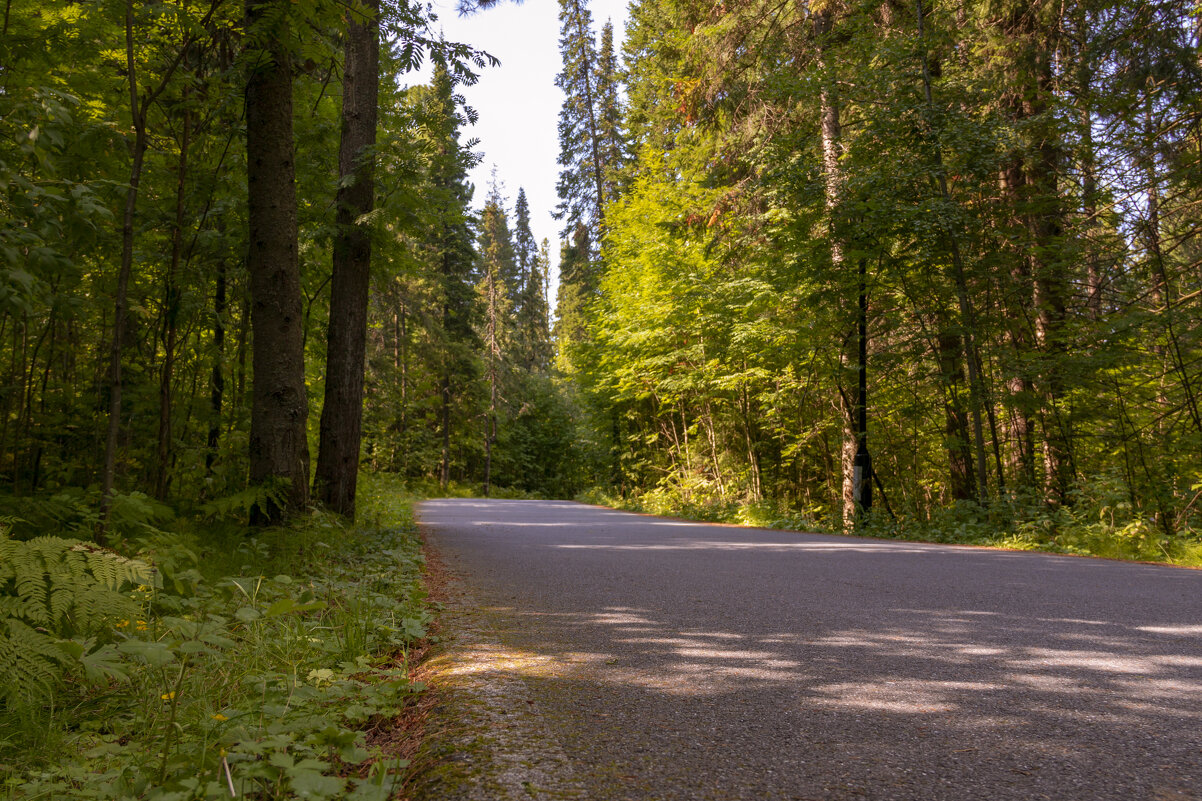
point(674, 660)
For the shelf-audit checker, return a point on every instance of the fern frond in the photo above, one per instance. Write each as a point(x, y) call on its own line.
point(112, 569)
point(67, 586)
point(272, 492)
point(30, 663)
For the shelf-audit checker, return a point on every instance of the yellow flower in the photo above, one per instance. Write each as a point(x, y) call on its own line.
point(141, 625)
point(220, 716)
point(122, 624)
point(168, 696)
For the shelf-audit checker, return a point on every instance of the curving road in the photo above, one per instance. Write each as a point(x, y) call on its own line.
point(673, 660)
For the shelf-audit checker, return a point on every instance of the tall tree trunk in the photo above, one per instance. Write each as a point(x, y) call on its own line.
point(217, 374)
point(960, 280)
point(862, 464)
point(121, 300)
point(444, 473)
point(279, 408)
point(171, 296)
point(493, 352)
point(956, 440)
point(1019, 423)
point(342, 412)
point(1051, 287)
point(831, 135)
point(1089, 189)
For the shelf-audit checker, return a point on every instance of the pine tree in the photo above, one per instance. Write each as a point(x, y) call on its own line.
point(452, 252)
point(577, 286)
point(581, 185)
point(525, 248)
point(496, 262)
point(612, 142)
point(531, 336)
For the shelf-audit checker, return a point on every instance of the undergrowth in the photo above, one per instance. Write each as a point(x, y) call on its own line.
point(1099, 520)
point(218, 662)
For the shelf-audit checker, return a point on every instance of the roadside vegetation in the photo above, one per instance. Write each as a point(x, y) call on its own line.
point(203, 659)
point(1099, 522)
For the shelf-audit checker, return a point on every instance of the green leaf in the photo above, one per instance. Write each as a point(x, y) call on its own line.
point(247, 614)
point(311, 784)
point(155, 654)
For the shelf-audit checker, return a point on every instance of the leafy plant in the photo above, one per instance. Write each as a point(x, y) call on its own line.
point(53, 590)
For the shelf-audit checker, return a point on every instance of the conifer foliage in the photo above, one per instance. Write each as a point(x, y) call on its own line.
point(962, 233)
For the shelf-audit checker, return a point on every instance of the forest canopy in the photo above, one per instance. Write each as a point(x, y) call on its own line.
point(886, 264)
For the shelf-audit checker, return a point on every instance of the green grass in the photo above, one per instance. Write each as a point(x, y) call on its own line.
point(260, 664)
point(1098, 523)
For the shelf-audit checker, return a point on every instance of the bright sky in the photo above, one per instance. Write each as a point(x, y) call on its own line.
point(518, 103)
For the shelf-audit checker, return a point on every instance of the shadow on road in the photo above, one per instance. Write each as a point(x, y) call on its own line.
point(734, 663)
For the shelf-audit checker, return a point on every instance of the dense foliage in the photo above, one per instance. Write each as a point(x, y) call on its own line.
point(127, 307)
point(239, 666)
point(986, 210)
point(221, 223)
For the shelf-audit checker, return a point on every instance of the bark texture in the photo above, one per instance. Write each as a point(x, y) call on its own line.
point(279, 407)
point(342, 413)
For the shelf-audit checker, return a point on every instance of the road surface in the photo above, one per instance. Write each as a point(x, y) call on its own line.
point(674, 660)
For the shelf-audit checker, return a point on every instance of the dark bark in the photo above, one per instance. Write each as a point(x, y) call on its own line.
point(121, 300)
point(968, 324)
point(279, 408)
point(862, 464)
point(1021, 458)
point(217, 375)
point(171, 298)
point(342, 413)
point(956, 442)
point(1045, 221)
point(444, 473)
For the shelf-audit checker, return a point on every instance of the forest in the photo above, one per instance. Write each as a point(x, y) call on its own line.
point(920, 268)
point(853, 261)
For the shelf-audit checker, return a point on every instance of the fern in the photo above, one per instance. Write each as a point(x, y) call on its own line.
point(52, 589)
point(273, 492)
point(30, 663)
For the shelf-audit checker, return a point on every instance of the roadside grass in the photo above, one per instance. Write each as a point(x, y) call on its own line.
point(1099, 522)
point(251, 664)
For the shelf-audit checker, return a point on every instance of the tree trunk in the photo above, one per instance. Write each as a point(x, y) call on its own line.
point(444, 473)
point(121, 301)
point(831, 134)
point(968, 337)
point(1051, 290)
point(1021, 457)
point(342, 412)
point(492, 347)
point(171, 296)
point(217, 375)
point(279, 407)
point(956, 442)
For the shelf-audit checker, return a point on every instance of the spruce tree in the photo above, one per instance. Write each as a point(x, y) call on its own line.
point(581, 185)
point(531, 336)
point(577, 286)
point(496, 262)
point(609, 114)
point(525, 248)
point(452, 252)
